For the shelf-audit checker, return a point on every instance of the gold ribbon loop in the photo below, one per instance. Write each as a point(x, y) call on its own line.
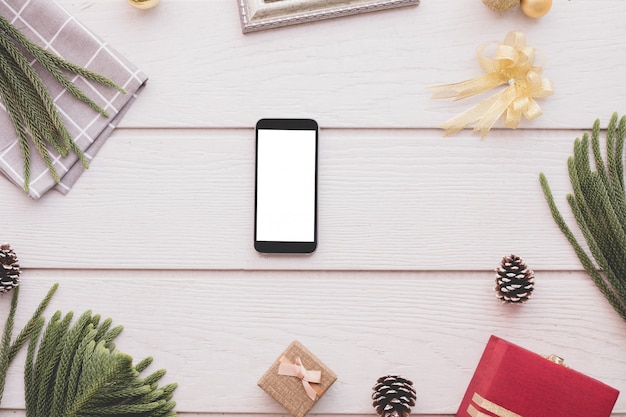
point(512, 65)
point(297, 369)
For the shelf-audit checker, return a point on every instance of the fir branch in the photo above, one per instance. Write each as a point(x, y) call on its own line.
point(78, 373)
point(154, 377)
point(69, 347)
point(9, 350)
point(45, 61)
point(103, 327)
point(126, 409)
point(100, 368)
point(598, 204)
point(47, 379)
point(118, 395)
point(33, 84)
point(606, 273)
point(27, 85)
point(607, 229)
point(619, 151)
point(586, 262)
point(141, 366)
point(109, 336)
point(31, 109)
point(615, 150)
point(30, 382)
point(75, 370)
point(5, 359)
point(30, 103)
point(47, 58)
point(43, 369)
point(77, 363)
point(33, 322)
point(14, 112)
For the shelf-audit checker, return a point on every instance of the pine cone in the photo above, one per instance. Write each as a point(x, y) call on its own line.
point(9, 269)
point(393, 396)
point(514, 280)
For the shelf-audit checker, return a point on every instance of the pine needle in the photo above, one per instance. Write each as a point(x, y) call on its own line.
point(5, 359)
point(30, 382)
point(25, 334)
point(598, 203)
point(69, 347)
point(75, 372)
point(30, 107)
point(49, 60)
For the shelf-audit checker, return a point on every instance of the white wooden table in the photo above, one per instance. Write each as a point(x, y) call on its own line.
point(158, 233)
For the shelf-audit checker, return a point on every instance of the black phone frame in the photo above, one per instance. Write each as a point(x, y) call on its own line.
point(277, 247)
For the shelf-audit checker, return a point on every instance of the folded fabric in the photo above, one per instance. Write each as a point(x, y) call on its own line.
point(48, 24)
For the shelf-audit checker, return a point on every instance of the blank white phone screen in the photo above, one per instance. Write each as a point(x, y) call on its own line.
point(286, 185)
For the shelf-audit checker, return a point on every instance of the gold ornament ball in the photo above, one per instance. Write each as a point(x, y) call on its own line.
point(536, 8)
point(144, 4)
point(500, 5)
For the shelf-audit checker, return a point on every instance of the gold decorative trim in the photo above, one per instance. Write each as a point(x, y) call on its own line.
point(556, 359)
point(473, 412)
point(487, 405)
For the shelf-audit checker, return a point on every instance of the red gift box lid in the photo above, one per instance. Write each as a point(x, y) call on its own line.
point(511, 381)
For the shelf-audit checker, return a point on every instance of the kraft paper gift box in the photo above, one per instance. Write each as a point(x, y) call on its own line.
point(297, 379)
point(511, 381)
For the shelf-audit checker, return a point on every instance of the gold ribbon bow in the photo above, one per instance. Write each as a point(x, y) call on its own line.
point(512, 65)
point(307, 377)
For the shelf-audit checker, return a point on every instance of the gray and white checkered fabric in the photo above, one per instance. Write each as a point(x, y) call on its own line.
point(46, 23)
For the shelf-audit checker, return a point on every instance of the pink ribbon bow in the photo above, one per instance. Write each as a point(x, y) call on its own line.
point(298, 370)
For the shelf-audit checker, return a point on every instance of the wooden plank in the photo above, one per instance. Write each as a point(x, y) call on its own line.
point(22, 413)
point(216, 332)
point(370, 70)
point(389, 199)
point(158, 234)
point(398, 199)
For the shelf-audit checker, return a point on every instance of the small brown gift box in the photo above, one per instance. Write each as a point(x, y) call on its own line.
point(295, 384)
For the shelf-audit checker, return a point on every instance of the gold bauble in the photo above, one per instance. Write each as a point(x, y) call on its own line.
point(144, 4)
point(536, 8)
point(500, 5)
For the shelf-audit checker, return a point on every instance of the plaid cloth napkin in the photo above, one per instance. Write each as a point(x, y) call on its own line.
point(46, 23)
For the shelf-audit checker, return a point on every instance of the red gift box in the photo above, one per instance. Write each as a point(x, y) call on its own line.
point(510, 381)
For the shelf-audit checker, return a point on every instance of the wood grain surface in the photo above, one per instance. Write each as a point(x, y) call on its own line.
point(157, 234)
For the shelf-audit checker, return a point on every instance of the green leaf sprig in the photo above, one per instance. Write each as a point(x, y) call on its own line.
point(598, 203)
point(30, 106)
point(76, 370)
point(8, 348)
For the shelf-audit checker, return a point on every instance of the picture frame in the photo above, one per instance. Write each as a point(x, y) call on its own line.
point(267, 14)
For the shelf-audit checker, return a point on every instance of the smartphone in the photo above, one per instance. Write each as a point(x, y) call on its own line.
point(286, 186)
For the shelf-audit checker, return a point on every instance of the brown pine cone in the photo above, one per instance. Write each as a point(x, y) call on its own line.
point(515, 282)
point(393, 396)
point(9, 269)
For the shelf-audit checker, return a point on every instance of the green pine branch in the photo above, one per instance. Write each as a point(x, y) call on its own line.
point(598, 202)
point(10, 349)
point(75, 370)
point(30, 107)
